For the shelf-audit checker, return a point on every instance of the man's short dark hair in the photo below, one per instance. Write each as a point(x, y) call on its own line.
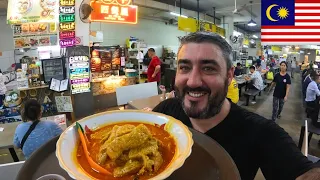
point(208, 37)
point(314, 75)
point(151, 50)
point(238, 64)
point(252, 67)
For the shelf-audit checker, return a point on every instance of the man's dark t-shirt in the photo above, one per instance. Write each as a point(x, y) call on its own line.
point(252, 141)
point(237, 72)
point(281, 85)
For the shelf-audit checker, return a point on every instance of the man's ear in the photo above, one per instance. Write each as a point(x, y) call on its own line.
point(230, 74)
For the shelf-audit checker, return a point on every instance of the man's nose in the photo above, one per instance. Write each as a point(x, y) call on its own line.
point(195, 79)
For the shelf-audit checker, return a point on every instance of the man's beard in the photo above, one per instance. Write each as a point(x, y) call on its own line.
point(214, 103)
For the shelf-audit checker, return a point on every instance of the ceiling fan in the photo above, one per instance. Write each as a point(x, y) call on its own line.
point(237, 11)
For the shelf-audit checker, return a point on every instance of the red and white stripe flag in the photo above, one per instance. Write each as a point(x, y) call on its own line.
point(305, 30)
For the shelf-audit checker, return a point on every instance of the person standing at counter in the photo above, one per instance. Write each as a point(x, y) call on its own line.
point(3, 89)
point(33, 133)
point(282, 83)
point(203, 74)
point(154, 74)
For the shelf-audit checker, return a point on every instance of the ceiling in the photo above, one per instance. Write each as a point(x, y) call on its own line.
point(225, 8)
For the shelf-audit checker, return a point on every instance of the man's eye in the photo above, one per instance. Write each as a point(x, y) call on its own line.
point(208, 69)
point(184, 68)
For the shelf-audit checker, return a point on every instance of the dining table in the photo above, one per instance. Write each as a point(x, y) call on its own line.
point(6, 138)
point(149, 102)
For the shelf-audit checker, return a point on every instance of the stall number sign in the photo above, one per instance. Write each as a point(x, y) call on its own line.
point(66, 18)
point(67, 24)
point(67, 34)
point(66, 10)
point(114, 11)
point(67, 2)
point(79, 74)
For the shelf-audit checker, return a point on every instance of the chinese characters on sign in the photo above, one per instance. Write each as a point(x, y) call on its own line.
point(79, 74)
point(116, 11)
point(67, 23)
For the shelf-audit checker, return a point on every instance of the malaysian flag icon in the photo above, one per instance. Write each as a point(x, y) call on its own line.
point(290, 22)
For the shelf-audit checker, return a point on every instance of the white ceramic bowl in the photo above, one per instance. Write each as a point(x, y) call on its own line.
point(68, 140)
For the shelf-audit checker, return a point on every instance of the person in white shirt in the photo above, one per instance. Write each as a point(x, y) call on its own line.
point(312, 100)
point(3, 88)
point(255, 78)
point(293, 66)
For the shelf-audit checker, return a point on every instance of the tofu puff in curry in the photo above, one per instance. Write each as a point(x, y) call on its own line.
point(131, 151)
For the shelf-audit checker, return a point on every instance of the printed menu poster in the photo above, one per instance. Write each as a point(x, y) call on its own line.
point(106, 58)
point(95, 61)
point(23, 11)
point(64, 104)
point(34, 35)
point(79, 74)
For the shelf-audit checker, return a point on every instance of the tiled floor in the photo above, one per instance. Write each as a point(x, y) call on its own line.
point(292, 117)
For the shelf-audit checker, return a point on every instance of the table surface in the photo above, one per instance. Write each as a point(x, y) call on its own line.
point(150, 102)
point(6, 136)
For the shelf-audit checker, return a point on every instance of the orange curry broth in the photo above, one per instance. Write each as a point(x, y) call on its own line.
point(162, 135)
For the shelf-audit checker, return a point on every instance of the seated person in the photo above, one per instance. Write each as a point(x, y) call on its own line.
point(306, 82)
point(255, 78)
point(238, 70)
point(258, 67)
point(311, 99)
point(35, 132)
point(233, 91)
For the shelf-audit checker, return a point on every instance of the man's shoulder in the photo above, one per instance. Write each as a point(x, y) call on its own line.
point(248, 118)
point(167, 104)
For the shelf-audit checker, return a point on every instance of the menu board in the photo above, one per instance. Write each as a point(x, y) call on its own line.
point(79, 74)
point(25, 11)
point(106, 59)
point(34, 35)
point(53, 68)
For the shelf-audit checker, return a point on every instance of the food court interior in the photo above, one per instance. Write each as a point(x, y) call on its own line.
point(76, 66)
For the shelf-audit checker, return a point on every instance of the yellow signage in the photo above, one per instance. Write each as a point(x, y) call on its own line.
point(214, 28)
point(24, 11)
point(221, 31)
point(187, 24)
point(246, 41)
point(276, 48)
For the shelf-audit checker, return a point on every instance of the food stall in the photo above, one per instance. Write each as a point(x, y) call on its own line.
point(40, 30)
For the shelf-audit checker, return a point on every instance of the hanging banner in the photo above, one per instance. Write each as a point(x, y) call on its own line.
point(114, 11)
point(24, 11)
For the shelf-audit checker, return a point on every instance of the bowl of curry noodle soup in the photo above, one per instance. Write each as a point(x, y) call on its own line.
point(124, 145)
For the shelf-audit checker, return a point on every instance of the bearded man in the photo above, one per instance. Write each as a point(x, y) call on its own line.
point(203, 74)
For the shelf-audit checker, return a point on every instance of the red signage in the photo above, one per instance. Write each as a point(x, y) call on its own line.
point(116, 12)
point(67, 34)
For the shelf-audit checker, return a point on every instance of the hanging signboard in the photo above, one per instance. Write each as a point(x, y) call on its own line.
point(67, 23)
point(79, 74)
point(187, 24)
point(67, 10)
point(114, 11)
point(24, 11)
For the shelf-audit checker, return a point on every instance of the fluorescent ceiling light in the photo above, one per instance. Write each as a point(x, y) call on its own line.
point(176, 14)
point(252, 23)
point(254, 36)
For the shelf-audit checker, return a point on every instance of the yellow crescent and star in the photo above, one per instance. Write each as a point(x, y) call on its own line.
point(282, 12)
